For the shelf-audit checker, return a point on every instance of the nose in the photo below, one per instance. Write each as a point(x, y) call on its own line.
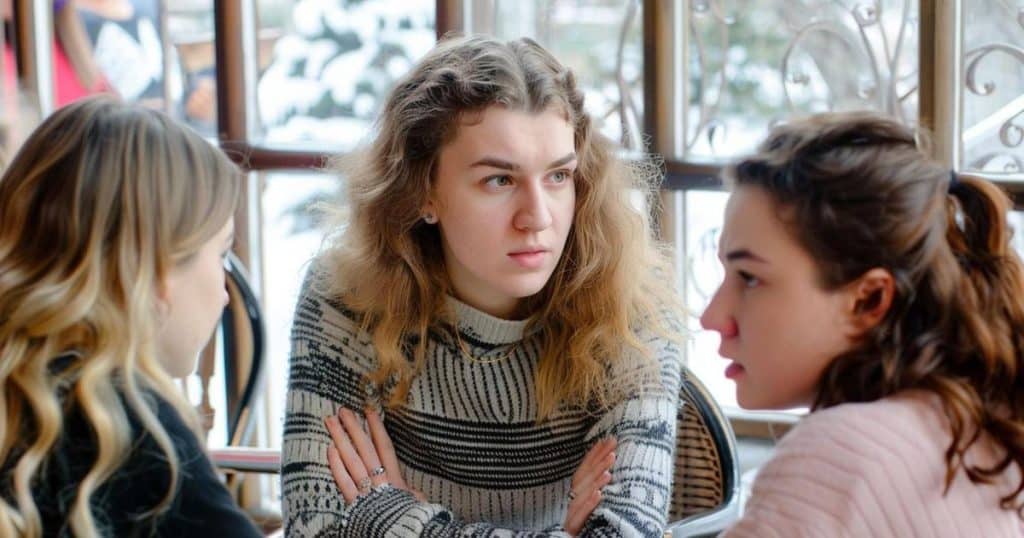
point(534, 213)
point(718, 317)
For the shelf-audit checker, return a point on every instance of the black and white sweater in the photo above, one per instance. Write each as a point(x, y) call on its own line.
point(468, 437)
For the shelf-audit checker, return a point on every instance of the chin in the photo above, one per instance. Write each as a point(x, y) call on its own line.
point(524, 290)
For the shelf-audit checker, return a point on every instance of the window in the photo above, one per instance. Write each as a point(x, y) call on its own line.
point(697, 81)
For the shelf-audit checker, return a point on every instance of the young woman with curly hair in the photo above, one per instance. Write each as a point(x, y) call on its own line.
point(494, 311)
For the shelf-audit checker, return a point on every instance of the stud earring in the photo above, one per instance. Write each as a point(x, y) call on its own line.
point(429, 218)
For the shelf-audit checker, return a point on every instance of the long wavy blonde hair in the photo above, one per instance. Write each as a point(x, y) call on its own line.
point(388, 266)
point(101, 201)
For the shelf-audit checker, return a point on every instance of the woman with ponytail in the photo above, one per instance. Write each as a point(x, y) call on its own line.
point(867, 281)
point(114, 221)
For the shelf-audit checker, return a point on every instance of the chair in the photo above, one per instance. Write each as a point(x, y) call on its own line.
point(244, 342)
point(706, 492)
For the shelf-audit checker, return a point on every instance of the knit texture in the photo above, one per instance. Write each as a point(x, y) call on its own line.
point(875, 469)
point(468, 437)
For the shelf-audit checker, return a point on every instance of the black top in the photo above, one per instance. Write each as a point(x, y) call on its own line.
point(202, 505)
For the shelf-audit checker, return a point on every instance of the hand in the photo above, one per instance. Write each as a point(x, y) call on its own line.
point(593, 474)
point(353, 456)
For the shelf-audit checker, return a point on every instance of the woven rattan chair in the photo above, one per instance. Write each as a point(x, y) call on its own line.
point(705, 495)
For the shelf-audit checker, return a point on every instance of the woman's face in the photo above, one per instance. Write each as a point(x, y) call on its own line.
point(193, 298)
point(504, 196)
point(778, 326)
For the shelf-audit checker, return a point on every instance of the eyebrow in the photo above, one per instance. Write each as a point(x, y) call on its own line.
point(495, 162)
point(743, 254)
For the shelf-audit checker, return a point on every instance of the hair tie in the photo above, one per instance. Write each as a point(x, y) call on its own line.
point(953, 181)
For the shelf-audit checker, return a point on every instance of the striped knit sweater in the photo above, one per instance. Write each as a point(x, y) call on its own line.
point(876, 469)
point(468, 437)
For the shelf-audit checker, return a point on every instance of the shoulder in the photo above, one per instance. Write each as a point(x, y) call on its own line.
point(201, 502)
point(901, 422)
point(856, 453)
point(328, 340)
point(663, 339)
point(320, 312)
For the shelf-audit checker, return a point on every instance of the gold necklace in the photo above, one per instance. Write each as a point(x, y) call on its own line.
point(465, 351)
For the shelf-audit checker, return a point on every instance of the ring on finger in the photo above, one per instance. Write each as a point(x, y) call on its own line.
point(364, 485)
point(377, 472)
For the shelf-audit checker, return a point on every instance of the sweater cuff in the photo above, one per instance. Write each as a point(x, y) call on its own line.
point(377, 511)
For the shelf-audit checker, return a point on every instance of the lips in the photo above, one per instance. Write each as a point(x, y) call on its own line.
point(734, 370)
point(528, 250)
point(531, 258)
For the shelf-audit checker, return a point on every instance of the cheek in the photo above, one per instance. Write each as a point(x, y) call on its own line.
point(566, 208)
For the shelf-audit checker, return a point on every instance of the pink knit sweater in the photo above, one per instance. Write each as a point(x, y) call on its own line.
point(875, 469)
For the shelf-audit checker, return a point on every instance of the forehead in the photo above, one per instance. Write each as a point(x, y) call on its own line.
point(509, 133)
point(754, 221)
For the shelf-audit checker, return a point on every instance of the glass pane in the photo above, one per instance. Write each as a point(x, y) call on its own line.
point(154, 52)
point(601, 40)
point(332, 65)
point(12, 124)
point(993, 89)
point(702, 273)
point(291, 234)
point(753, 63)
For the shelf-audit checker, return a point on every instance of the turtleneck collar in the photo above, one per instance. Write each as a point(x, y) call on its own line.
point(485, 327)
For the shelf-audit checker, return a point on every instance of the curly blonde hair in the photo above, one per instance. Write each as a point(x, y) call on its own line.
point(101, 201)
point(609, 281)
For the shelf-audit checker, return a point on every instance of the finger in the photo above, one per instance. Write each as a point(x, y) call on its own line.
point(341, 477)
point(335, 430)
point(591, 484)
point(353, 463)
point(593, 469)
point(575, 519)
point(597, 453)
point(385, 450)
point(362, 443)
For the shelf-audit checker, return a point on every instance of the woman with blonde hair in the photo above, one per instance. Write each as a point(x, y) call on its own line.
point(494, 312)
point(871, 283)
point(113, 225)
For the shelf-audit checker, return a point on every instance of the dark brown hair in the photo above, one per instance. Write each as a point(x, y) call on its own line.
point(858, 191)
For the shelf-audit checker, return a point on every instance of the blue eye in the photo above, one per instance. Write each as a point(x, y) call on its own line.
point(499, 181)
point(561, 176)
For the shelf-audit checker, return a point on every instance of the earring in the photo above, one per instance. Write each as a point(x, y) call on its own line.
point(430, 218)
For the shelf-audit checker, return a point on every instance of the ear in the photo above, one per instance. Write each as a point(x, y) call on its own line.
point(870, 299)
point(429, 206)
point(162, 299)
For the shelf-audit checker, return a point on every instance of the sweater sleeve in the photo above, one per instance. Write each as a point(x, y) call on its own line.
point(329, 362)
point(634, 504)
